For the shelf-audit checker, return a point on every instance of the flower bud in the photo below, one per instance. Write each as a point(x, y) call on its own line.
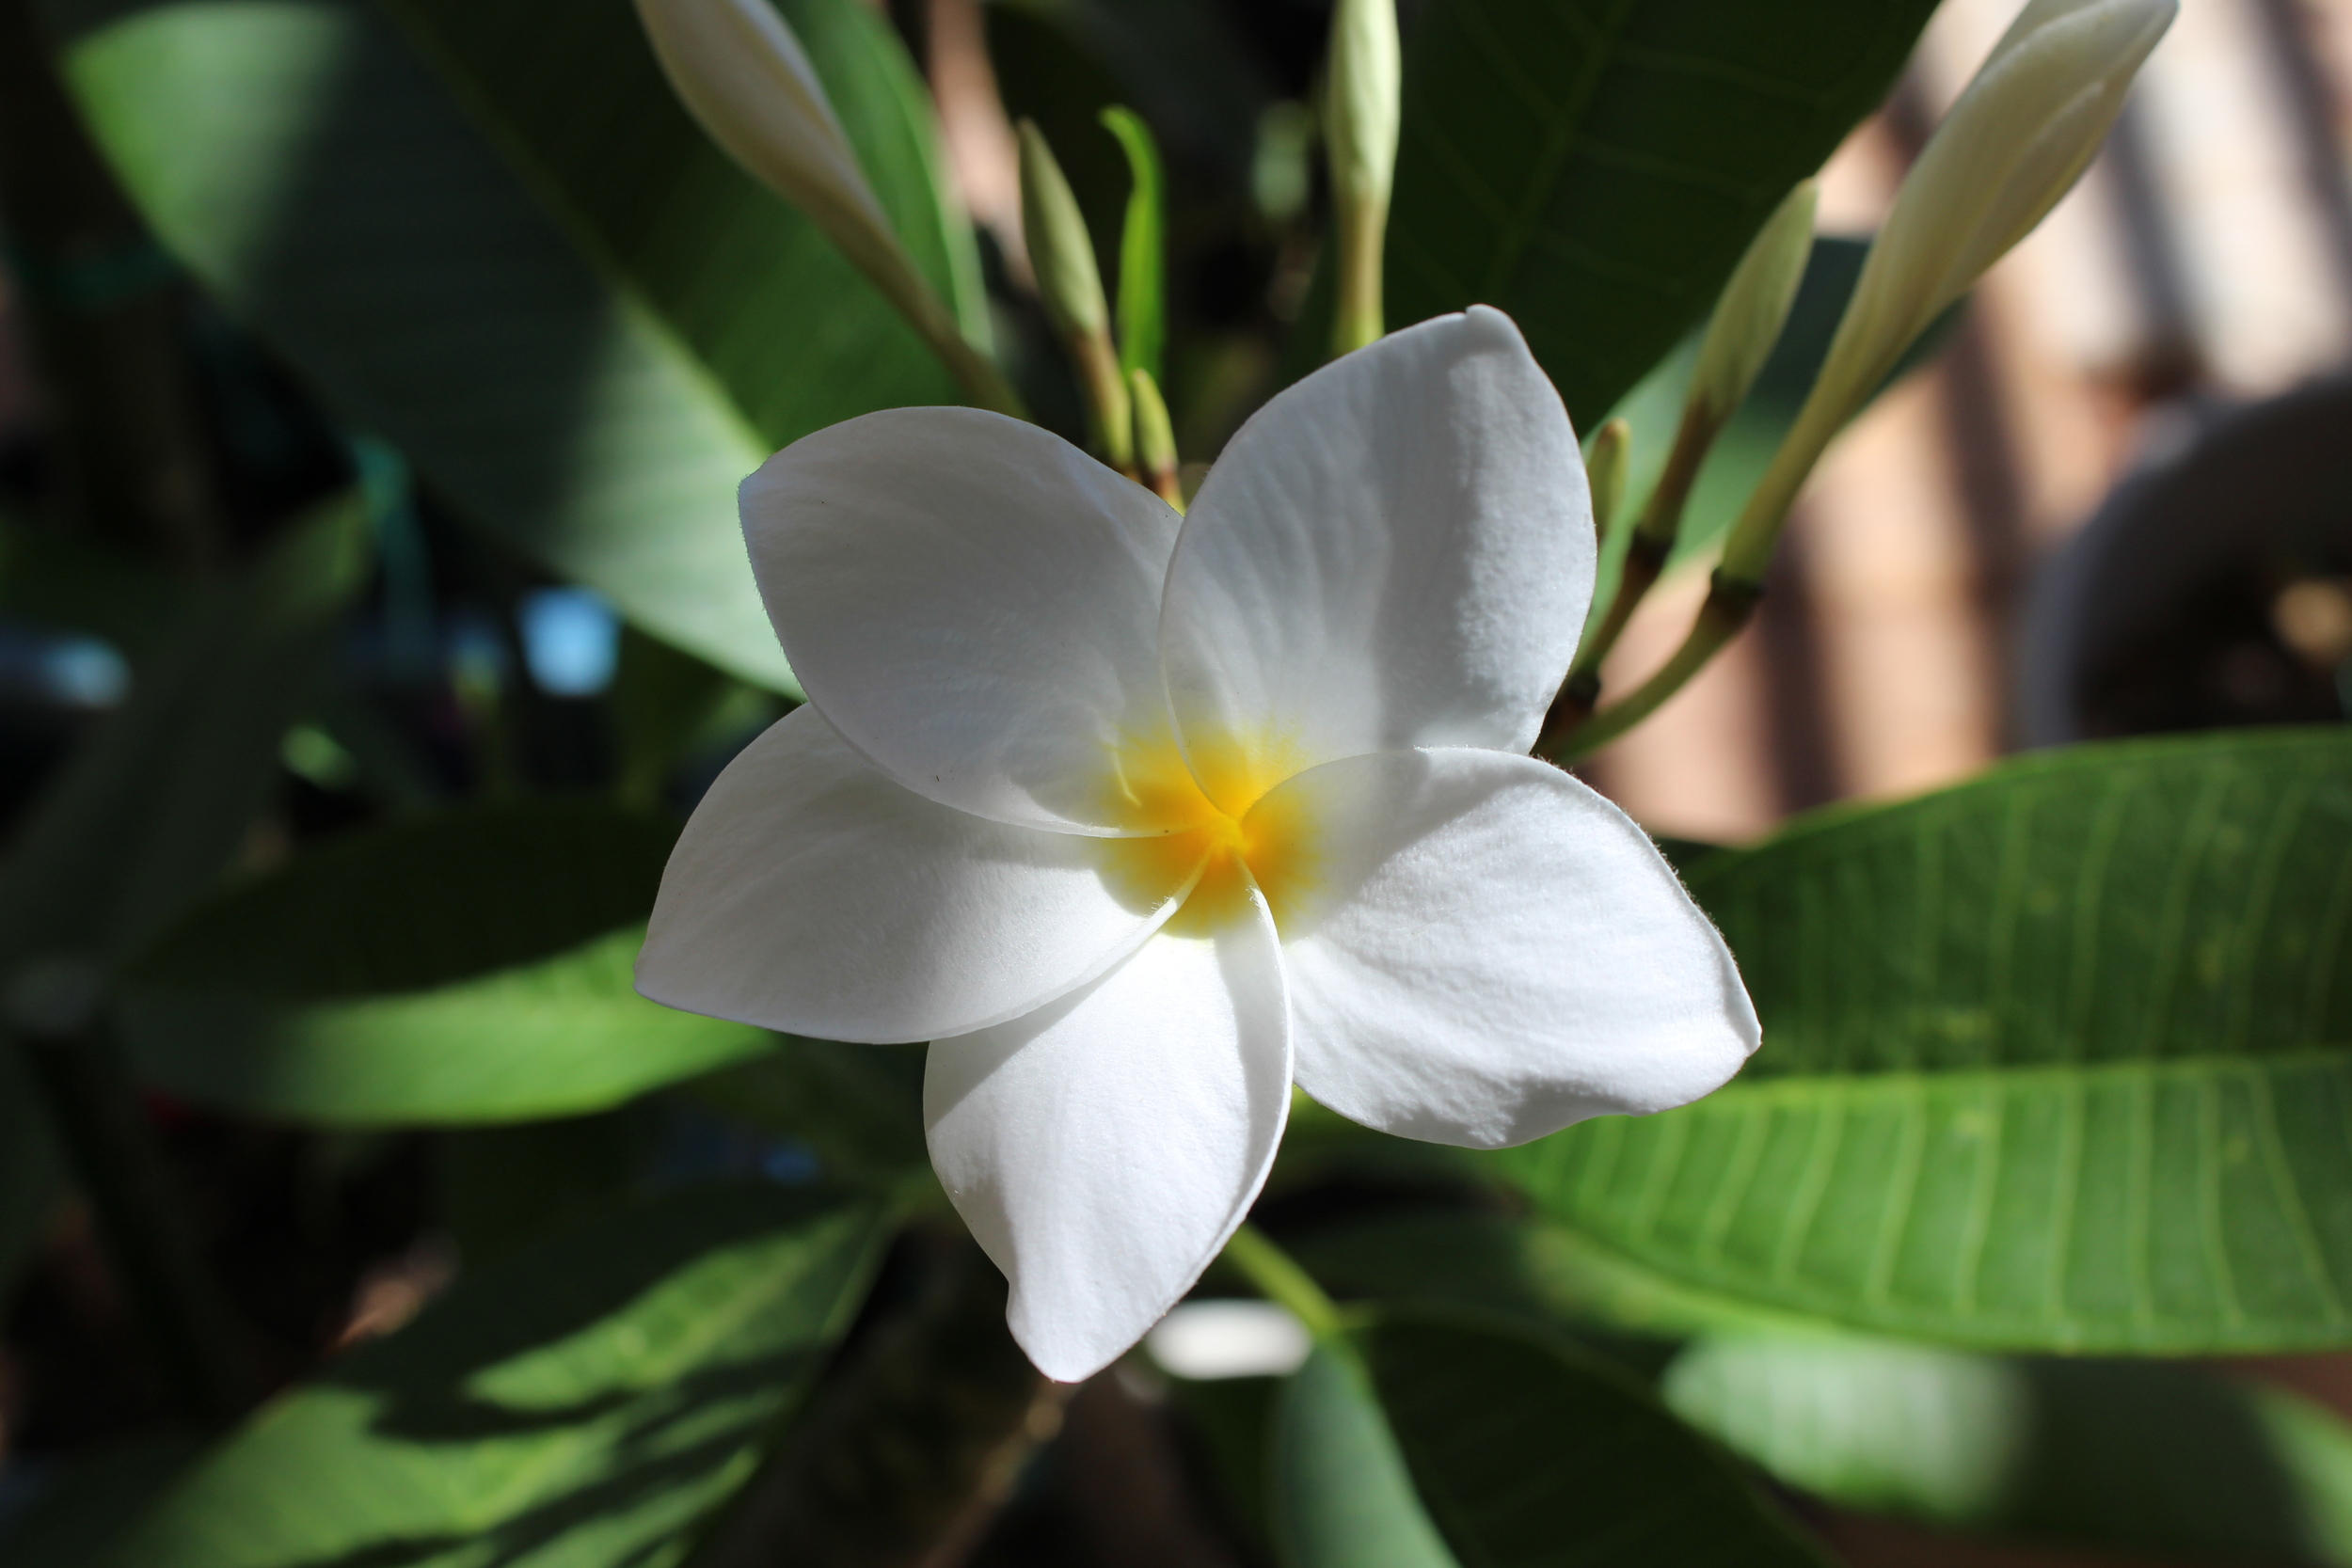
point(746, 78)
point(1061, 253)
point(1363, 91)
point(1605, 473)
point(2015, 141)
point(743, 74)
point(1155, 438)
point(1754, 304)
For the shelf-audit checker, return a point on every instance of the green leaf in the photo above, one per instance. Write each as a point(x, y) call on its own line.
point(1514, 1271)
point(2169, 1460)
point(1341, 1496)
point(151, 807)
point(585, 326)
point(1142, 263)
point(470, 967)
point(589, 1402)
point(2060, 1058)
point(1527, 1452)
point(1595, 168)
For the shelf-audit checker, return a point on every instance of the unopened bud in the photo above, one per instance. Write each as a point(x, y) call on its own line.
point(1754, 305)
point(1363, 91)
point(1155, 438)
point(743, 75)
point(1061, 253)
point(1060, 249)
point(2014, 143)
point(1605, 473)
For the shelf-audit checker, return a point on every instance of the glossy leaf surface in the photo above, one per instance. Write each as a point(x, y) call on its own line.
point(2060, 1058)
point(1595, 168)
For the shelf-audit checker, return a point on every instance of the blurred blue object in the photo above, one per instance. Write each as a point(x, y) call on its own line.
point(69, 670)
point(571, 639)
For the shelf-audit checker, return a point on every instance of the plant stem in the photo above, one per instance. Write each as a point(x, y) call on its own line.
point(1363, 229)
point(1282, 1281)
point(1729, 602)
point(96, 1112)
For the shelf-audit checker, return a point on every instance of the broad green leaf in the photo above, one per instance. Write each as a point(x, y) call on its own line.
point(1527, 1452)
point(2060, 1058)
point(1594, 168)
point(584, 325)
point(1341, 1496)
point(587, 1403)
point(151, 807)
point(470, 967)
point(1517, 1270)
point(2170, 1460)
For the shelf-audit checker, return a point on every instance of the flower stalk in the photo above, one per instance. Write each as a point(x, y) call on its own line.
point(2016, 141)
point(1155, 438)
point(1281, 1281)
point(1747, 322)
point(1070, 286)
point(743, 75)
point(1361, 112)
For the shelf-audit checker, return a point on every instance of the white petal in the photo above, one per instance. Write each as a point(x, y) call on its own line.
point(1104, 1147)
point(1397, 551)
point(810, 893)
point(971, 601)
point(1481, 950)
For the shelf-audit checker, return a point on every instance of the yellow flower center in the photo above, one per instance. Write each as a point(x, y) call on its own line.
point(1211, 812)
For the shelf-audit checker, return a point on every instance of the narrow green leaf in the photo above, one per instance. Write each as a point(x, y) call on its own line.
point(1595, 169)
point(470, 967)
point(2060, 1058)
point(1340, 1496)
point(1142, 248)
point(1528, 1453)
point(2169, 1460)
point(589, 1402)
point(151, 806)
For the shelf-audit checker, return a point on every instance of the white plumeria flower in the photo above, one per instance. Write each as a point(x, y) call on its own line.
point(1139, 818)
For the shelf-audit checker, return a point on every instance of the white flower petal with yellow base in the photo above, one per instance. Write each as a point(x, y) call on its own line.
point(1397, 552)
point(1165, 801)
point(971, 601)
point(1481, 950)
point(1104, 1148)
point(812, 894)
